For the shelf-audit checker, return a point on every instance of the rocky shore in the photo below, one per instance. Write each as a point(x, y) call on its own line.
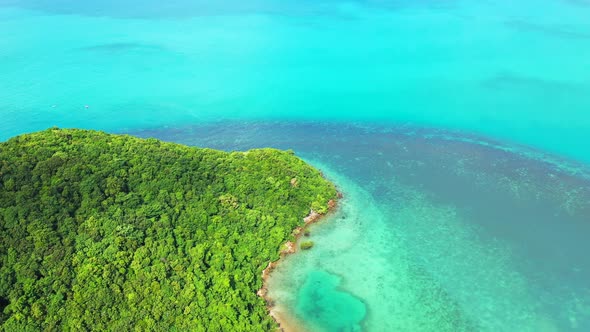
point(289, 248)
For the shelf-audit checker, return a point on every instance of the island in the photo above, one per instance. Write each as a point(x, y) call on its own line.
point(108, 232)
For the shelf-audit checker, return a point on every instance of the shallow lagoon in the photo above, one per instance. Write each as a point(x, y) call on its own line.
point(466, 208)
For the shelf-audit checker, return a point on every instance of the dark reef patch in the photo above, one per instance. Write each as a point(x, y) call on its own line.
point(152, 9)
point(121, 47)
point(508, 81)
point(549, 30)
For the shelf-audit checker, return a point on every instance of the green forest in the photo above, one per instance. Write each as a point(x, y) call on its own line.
point(110, 232)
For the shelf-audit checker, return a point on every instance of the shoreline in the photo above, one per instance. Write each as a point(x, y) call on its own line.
point(290, 247)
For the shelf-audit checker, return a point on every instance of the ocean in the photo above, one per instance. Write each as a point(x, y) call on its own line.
point(457, 132)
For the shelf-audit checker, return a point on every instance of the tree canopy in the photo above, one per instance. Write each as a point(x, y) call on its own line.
point(110, 232)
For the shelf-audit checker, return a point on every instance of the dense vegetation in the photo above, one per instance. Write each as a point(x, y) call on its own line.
point(114, 233)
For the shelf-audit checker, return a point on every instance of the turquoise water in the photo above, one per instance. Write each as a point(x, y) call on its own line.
point(321, 304)
point(457, 130)
point(506, 69)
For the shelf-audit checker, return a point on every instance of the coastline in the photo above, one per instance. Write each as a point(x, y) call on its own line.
point(284, 321)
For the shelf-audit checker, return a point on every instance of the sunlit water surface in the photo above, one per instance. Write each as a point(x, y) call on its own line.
point(478, 223)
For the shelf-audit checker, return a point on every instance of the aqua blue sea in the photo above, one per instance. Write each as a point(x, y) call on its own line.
point(458, 132)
